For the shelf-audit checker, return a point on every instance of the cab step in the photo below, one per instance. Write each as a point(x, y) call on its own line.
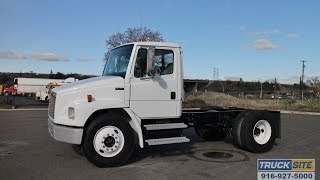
point(171, 140)
point(165, 126)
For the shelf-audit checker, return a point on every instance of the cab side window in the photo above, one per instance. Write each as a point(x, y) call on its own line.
point(163, 60)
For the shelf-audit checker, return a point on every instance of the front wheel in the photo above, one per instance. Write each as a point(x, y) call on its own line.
point(108, 141)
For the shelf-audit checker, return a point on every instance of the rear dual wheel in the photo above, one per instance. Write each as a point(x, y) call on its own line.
point(254, 131)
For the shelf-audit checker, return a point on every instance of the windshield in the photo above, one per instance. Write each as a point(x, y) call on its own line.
point(118, 61)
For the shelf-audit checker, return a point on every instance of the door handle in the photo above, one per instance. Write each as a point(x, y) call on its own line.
point(173, 95)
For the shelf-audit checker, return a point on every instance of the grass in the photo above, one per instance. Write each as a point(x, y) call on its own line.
point(5, 106)
point(222, 100)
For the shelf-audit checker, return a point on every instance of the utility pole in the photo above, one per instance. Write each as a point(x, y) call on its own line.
point(275, 86)
point(302, 78)
point(215, 74)
point(261, 90)
point(303, 66)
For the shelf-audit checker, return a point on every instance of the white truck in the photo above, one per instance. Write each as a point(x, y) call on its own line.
point(31, 86)
point(43, 95)
point(138, 100)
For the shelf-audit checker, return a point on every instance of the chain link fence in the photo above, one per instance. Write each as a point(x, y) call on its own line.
point(18, 101)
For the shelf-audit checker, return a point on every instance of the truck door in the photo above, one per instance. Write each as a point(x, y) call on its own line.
point(155, 96)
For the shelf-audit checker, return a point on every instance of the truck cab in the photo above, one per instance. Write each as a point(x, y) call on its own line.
point(137, 100)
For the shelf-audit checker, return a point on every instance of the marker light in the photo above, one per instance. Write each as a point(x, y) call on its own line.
point(71, 112)
point(89, 98)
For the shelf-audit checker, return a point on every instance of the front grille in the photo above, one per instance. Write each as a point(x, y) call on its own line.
point(52, 103)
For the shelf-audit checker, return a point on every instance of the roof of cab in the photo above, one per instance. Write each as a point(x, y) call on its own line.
point(149, 43)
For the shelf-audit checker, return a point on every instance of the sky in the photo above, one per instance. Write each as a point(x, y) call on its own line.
point(254, 40)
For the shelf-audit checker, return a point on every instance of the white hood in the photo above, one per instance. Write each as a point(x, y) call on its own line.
point(90, 83)
point(106, 91)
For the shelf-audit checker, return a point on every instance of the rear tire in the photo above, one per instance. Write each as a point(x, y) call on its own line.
point(254, 131)
point(108, 141)
point(236, 129)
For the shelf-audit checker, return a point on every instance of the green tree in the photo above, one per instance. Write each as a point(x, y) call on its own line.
point(4, 78)
point(59, 75)
point(314, 82)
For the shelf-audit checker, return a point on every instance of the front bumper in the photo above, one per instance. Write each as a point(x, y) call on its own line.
point(66, 134)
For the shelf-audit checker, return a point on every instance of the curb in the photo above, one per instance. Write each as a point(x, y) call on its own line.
point(300, 112)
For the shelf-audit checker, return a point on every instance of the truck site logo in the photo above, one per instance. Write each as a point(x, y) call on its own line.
point(286, 165)
point(279, 169)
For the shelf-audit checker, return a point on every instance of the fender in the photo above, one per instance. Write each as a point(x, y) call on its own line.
point(135, 123)
point(82, 116)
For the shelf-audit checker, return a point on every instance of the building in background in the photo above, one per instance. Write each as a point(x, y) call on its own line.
point(235, 79)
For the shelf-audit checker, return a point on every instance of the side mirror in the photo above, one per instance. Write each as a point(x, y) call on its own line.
point(150, 61)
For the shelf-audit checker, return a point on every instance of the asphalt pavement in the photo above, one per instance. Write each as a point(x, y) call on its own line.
point(28, 152)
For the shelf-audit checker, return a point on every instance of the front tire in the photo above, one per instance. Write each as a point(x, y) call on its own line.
point(108, 141)
point(254, 131)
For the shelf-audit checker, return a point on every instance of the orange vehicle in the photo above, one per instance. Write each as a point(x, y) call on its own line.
point(1, 88)
point(50, 86)
point(44, 94)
